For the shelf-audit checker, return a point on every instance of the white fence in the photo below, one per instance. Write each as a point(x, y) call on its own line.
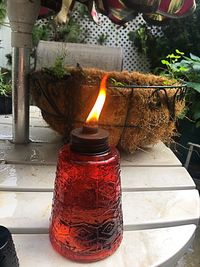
point(117, 36)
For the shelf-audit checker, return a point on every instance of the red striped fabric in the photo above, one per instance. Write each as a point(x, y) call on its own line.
point(176, 8)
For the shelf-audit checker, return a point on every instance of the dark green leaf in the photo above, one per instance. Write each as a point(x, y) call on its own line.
point(197, 115)
point(195, 86)
point(196, 67)
point(198, 124)
point(194, 57)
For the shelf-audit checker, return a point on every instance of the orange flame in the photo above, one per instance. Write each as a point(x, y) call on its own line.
point(94, 114)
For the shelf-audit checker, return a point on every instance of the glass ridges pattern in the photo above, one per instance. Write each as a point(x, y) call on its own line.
point(86, 222)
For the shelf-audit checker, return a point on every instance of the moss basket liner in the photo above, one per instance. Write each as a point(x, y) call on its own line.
point(135, 117)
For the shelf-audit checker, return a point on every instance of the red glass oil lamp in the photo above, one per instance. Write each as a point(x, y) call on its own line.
point(86, 222)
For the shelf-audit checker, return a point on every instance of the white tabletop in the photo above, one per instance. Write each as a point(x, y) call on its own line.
point(160, 203)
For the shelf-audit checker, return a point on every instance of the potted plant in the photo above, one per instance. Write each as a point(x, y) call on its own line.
point(5, 93)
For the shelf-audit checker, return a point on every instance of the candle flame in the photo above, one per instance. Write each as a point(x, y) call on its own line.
point(94, 114)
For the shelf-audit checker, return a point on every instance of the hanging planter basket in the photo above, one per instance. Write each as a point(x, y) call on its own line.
point(137, 114)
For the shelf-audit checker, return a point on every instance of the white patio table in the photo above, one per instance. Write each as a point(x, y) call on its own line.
point(160, 203)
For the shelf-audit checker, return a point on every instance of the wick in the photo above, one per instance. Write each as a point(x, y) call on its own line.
point(90, 129)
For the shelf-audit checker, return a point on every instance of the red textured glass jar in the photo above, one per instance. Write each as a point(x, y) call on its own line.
point(86, 221)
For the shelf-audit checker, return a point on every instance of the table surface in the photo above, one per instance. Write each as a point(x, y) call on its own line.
point(160, 203)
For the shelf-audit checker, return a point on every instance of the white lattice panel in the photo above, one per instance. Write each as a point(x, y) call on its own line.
point(5, 44)
point(117, 36)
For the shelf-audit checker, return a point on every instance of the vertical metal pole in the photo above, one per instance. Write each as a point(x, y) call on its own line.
point(191, 147)
point(20, 94)
point(22, 16)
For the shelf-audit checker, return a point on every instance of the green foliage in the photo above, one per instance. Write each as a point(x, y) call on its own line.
point(144, 40)
point(5, 79)
point(51, 31)
point(141, 38)
point(173, 68)
point(5, 84)
point(41, 32)
point(116, 83)
point(58, 69)
point(2, 11)
point(183, 33)
point(186, 69)
point(102, 38)
point(70, 32)
point(82, 10)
